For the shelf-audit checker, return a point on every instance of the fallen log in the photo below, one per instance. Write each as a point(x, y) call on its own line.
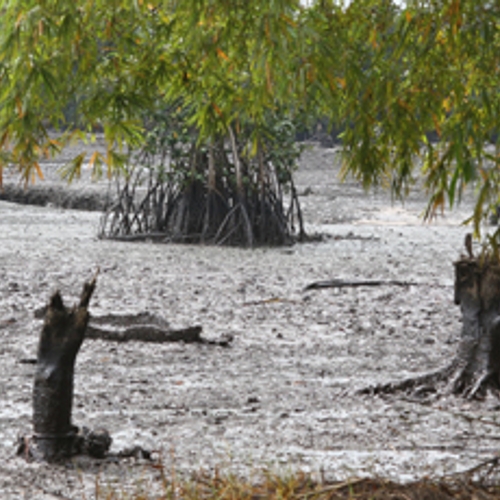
point(146, 333)
point(142, 327)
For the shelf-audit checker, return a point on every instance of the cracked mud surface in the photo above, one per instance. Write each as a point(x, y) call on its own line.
point(282, 396)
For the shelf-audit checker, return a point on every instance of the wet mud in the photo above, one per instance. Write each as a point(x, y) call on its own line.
point(282, 396)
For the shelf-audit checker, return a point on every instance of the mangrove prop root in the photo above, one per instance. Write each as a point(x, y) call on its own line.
point(149, 207)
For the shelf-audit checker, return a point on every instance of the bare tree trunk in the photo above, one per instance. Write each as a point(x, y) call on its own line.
point(60, 340)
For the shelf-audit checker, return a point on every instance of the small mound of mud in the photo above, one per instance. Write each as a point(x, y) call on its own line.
point(56, 196)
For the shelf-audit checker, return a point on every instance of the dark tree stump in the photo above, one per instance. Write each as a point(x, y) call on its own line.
point(477, 291)
point(475, 370)
point(62, 335)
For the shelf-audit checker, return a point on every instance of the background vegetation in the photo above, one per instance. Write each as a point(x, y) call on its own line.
point(392, 77)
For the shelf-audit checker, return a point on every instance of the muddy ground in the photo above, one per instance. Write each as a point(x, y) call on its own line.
point(282, 397)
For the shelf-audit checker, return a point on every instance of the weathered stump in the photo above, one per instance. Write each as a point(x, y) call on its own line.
point(475, 369)
point(62, 335)
point(477, 291)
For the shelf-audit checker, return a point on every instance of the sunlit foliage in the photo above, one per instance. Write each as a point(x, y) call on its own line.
point(415, 87)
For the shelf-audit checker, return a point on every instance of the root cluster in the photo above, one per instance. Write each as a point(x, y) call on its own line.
point(216, 194)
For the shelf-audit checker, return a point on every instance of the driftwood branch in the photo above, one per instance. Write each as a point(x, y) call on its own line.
point(339, 283)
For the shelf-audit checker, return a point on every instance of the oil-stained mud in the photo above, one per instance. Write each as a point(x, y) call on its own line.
point(282, 396)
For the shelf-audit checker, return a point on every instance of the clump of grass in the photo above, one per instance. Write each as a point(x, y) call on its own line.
point(301, 486)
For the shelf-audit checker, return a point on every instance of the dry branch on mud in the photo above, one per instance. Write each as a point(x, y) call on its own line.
point(340, 283)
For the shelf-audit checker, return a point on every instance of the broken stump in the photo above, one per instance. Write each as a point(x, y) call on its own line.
point(55, 437)
point(475, 369)
point(477, 291)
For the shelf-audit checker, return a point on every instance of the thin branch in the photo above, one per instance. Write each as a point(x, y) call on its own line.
point(339, 283)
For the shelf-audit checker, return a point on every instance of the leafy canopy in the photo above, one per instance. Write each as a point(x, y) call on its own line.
point(393, 77)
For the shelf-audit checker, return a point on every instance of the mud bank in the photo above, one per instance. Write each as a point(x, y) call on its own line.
point(282, 396)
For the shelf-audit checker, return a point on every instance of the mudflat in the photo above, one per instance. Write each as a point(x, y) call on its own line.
point(282, 396)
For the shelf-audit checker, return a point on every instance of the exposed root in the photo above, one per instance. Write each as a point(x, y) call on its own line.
point(478, 389)
point(456, 378)
point(215, 196)
point(420, 386)
point(93, 443)
point(196, 215)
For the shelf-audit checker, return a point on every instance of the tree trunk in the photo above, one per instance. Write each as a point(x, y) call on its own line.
point(477, 291)
point(475, 369)
point(60, 340)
